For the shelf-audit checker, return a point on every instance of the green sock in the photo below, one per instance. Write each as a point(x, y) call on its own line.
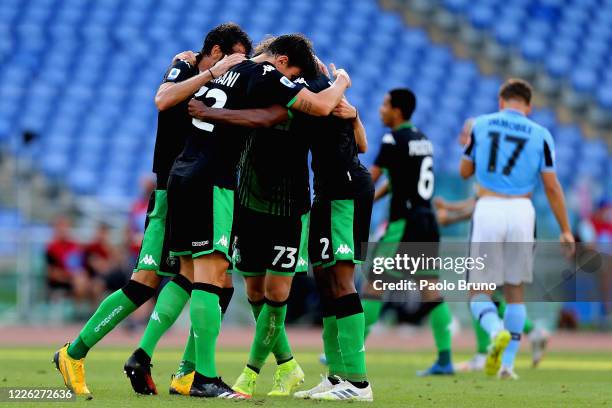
point(528, 327)
point(270, 324)
point(440, 320)
point(282, 349)
point(170, 304)
point(116, 307)
point(482, 337)
point(331, 347)
point(187, 363)
point(371, 310)
point(351, 323)
point(206, 322)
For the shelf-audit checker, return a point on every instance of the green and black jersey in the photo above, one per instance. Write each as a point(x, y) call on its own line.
point(172, 126)
point(212, 151)
point(274, 172)
point(407, 156)
point(338, 173)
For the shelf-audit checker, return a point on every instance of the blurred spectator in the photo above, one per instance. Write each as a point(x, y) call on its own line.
point(65, 272)
point(103, 263)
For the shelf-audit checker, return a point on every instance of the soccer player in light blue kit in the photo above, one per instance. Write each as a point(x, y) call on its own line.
point(508, 153)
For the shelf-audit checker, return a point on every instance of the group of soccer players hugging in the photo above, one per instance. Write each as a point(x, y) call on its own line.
point(231, 159)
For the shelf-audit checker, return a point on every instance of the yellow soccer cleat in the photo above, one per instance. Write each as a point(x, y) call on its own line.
point(181, 384)
point(245, 384)
point(72, 371)
point(496, 349)
point(287, 377)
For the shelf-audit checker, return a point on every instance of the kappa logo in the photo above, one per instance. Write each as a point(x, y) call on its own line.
point(155, 316)
point(148, 260)
point(222, 241)
point(301, 262)
point(268, 68)
point(302, 81)
point(343, 249)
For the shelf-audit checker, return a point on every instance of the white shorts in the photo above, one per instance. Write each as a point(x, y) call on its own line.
point(503, 234)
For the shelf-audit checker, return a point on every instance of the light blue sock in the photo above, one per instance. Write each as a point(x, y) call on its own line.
point(484, 310)
point(514, 320)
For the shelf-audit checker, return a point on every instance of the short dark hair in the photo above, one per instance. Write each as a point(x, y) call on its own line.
point(404, 100)
point(226, 36)
point(515, 88)
point(298, 50)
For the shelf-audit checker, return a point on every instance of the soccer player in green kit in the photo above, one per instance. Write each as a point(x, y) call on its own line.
point(407, 155)
point(203, 232)
point(181, 80)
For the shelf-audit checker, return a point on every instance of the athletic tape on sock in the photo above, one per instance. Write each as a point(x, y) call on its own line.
point(225, 298)
point(137, 292)
point(207, 287)
point(348, 305)
point(183, 283)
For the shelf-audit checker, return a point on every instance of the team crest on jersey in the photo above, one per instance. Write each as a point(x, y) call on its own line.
point(285, 81)
point(268, 68)
point(173, 74)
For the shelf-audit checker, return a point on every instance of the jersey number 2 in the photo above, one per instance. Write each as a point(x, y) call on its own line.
point(519, 143)
point(220, 98)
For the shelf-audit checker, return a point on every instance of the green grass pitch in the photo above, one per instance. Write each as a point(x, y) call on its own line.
point(563, 380)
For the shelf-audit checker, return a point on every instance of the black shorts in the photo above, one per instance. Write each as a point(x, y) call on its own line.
point(266, 243)
point(340, 229)
point(418, 226)
point(200, 216)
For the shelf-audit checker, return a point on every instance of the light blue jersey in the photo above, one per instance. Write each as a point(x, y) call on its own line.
point(509, 152)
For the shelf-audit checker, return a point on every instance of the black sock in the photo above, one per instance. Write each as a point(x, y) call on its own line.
point(360, 384)
point(279, 362)
point(333, 379)
point(202, 379)
point(253, 368)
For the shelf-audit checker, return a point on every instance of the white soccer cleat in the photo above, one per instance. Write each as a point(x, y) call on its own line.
point(345, 391)
point(539, 340)
point(476, 363)
point(507, 373)
point(323, 386)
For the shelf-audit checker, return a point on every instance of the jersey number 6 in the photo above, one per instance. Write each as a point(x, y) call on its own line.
point(220, 98)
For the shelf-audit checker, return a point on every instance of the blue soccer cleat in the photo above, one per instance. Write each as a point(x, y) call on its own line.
point(437, 369)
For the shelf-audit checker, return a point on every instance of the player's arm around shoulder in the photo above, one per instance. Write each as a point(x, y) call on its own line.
point(251, 118)
point(178, 86)
point(324, 102)
point(345, 110)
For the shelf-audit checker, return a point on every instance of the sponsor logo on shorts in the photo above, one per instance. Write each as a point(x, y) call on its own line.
point(148, 260)
point(199, 243)
point(155, 316)
point(343, 249)
point(222, 241)
point(108, 318)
